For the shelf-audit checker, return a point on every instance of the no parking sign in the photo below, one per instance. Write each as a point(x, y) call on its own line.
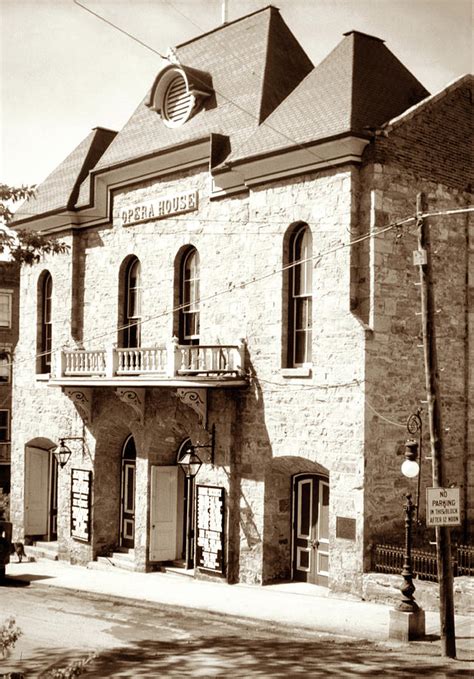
point(443, 507)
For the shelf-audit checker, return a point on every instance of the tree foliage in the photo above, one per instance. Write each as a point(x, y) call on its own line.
point(24, 247)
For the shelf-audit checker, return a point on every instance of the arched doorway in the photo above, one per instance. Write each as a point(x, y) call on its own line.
point(172, 513)
point(310, 553)
point(41, 490)
point(127, 494)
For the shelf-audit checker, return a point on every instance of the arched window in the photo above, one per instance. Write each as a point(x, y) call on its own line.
point(132, 314)
point(45, 334)
point(189, 298)
point(300, 298)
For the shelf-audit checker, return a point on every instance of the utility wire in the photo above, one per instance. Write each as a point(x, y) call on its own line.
point(189, 232)
point(245, 284)
point(226, 98)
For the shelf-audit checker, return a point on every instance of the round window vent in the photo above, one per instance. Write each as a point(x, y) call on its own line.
point(178, 102)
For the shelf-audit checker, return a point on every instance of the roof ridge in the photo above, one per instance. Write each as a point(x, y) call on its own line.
point(229, 23)
point(427, 101)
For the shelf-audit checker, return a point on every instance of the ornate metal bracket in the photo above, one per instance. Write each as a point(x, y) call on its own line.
point(135, 398)
point(82, 399)
point(196, 399)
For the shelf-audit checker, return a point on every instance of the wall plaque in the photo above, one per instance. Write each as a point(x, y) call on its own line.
point(345, 528)
point(210, 529)
point(159, 208)
point(81, 487)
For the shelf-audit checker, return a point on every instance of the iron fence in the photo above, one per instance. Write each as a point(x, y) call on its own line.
point(389, 559)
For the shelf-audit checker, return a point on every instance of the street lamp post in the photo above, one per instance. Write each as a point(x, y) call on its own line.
point(408, 603)
point(407, 620)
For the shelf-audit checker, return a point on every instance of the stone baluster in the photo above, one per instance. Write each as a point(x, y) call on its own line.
point(111, 361)
point(61, 366)
point(173, 357)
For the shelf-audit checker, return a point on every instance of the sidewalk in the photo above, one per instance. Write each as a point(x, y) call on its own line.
point(295, 604)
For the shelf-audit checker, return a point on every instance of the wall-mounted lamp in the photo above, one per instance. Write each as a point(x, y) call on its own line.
point(62, 453)
point(210, 445)
point(190, 463)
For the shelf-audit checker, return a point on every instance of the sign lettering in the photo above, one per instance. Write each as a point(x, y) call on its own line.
point(443, 507)
point(158, 208)
point(210, 528)
point(81, 487)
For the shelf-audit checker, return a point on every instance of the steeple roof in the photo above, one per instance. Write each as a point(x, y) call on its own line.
point(358, 86)
point(254, 63)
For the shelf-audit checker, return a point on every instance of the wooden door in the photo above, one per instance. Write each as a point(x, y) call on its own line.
point(36, 491)
point(164, 514)
point(127, 527)
point(311, 529)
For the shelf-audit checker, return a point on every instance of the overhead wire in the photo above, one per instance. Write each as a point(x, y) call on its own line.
point(244, 284)
point(375, 234)
point(196, 77)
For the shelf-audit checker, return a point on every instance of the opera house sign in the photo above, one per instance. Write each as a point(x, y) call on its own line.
point(159, 208)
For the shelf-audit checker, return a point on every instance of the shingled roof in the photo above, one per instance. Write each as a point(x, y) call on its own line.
point(60, 189)
point(254, 63)
point(266, 97)
point(358, 86)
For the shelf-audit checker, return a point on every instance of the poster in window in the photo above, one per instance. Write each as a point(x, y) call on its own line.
point(210, 529)
point(81, 487)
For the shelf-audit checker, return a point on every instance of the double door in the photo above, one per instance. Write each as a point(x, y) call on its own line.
point(311, 528)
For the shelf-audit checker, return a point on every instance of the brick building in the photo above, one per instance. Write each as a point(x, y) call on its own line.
point(9, 285)
point(226, 287)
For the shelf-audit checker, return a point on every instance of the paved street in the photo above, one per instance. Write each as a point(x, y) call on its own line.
point(135, 640)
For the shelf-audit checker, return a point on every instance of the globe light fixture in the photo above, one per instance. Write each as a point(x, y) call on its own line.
point(410, 467)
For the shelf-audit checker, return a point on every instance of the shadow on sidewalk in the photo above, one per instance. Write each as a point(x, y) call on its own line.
point(12, 581)
point(240, 657)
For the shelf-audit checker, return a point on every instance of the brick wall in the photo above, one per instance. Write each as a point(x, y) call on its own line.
point(429, 152)
point(435, 141)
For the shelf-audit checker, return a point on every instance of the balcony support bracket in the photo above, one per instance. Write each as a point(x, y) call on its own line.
point(135, 398)
point(196, 399)
point(82, 399)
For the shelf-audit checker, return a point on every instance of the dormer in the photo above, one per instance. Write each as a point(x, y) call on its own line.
point(178, 93)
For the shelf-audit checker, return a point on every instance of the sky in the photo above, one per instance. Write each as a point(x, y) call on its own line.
point(64, 71)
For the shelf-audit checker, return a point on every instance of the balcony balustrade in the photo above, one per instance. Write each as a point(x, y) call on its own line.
point(173, 362)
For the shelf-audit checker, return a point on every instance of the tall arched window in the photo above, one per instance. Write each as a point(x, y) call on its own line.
point(45, 334)
point(132, 315)
point(300, 298)
point(189, 298)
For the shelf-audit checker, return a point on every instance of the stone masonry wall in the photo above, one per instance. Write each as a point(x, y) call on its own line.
point(278, 426)
point(395, 382)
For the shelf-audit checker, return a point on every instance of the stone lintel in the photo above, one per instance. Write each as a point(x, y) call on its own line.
point(196, 399)
point(135, 398)
point(82, 399)
point(406, 626)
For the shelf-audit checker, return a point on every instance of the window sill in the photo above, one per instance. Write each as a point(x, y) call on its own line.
point(304, 371)
point(43, 377)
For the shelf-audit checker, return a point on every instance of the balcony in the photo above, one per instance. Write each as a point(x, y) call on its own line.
point(174, 365)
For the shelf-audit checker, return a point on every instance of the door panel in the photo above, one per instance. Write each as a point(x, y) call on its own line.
point(164, 542)
point(127, 531)
point(36, 491)
point(310, 529)
point(322, 566)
